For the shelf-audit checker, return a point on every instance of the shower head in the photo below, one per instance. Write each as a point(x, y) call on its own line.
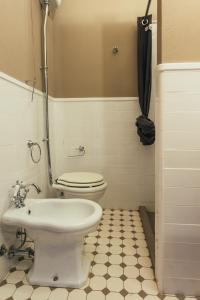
point(53, 4)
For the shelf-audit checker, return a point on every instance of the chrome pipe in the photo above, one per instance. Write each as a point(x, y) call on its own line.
point(46, 86)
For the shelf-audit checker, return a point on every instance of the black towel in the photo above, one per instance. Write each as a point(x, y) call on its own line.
point(145, 127)
point(146, 130)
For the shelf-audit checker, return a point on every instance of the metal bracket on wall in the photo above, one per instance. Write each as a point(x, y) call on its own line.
point(81, 150)
point(33, 87)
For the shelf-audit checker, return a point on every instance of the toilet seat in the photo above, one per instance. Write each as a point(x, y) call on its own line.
point(81, 180)
point(85, 185)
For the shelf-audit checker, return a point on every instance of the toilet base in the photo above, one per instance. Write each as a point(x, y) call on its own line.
point(59, 262)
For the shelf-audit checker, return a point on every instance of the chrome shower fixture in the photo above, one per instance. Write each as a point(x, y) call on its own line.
point(53, 4)
point(49, 7)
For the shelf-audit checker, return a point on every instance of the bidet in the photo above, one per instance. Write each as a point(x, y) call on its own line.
point(57, 228)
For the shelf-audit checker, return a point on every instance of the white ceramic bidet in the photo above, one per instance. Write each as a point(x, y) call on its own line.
point(57, 228)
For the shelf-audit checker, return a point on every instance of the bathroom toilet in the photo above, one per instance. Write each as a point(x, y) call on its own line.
point(58, 228)
point(84, 185)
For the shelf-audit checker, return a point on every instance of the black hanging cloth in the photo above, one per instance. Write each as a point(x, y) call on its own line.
point(145, 127)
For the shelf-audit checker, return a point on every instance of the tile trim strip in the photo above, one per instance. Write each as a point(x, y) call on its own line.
point(95, 99)
point(84, 99)
point(179, 66)
point(19, 83)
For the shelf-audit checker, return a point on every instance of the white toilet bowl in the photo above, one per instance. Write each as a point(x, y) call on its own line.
point(58, 228)
point(81, 185)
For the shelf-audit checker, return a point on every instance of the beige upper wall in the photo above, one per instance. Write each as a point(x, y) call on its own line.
point(180, 30)
point(20, 41)
point(84, 34)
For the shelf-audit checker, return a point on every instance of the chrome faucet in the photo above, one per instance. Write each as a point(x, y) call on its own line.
point(38, 190)
point(20, 192)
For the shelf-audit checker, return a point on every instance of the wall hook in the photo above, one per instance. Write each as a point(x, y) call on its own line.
point(115, 50)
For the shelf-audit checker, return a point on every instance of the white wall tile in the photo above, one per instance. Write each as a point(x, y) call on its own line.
point(182, 159)
point(181, 196)
point(182, 233)
point(182, 269)
point(185, 81)
point(187, 286)
point(182, 251)
point(181, 140)
point(181, 214)
point(20, 120)
point(181, 121)
point(108, 132)
point(181, 102)
point(178, 181)
point(182, 177)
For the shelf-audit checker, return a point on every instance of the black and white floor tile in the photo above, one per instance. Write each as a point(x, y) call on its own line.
point(120, 266)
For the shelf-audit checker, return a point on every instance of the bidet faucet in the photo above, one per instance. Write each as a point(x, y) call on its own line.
point(38, 190)
point(20, 192)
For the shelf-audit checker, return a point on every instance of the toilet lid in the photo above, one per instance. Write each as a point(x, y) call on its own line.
point(81, 179)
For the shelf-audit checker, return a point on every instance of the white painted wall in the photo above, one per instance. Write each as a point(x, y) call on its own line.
point(178, 179)
point(106, 127)
point(20, 120)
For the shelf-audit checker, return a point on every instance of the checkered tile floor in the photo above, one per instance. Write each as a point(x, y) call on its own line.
point(120, 266)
